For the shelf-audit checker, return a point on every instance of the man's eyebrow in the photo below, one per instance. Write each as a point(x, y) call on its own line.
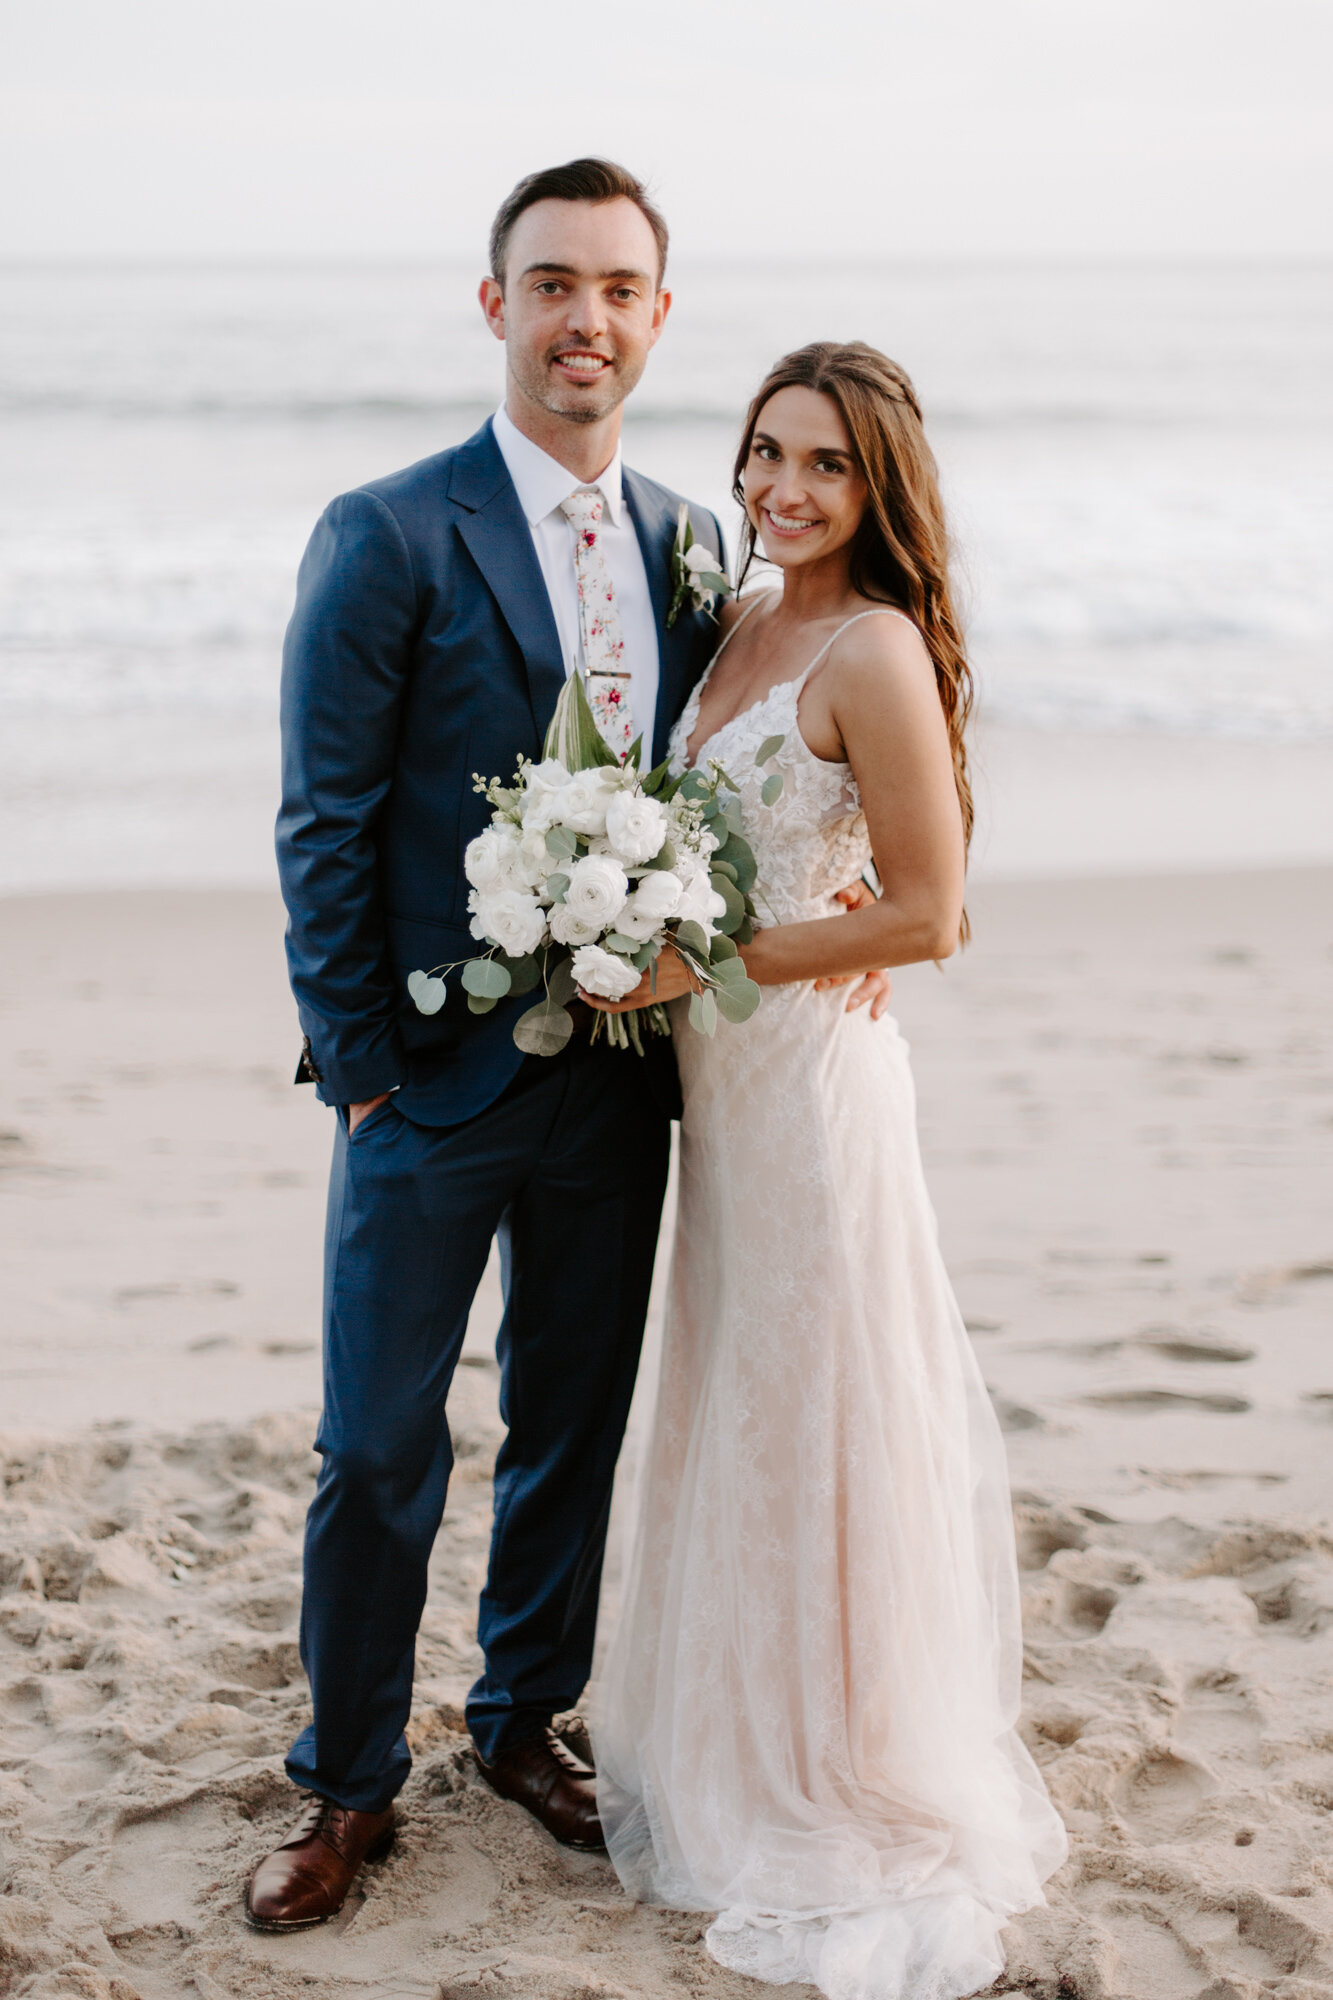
point(570, 271)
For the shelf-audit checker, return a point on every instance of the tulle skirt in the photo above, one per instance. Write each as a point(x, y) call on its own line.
point(804, 1720)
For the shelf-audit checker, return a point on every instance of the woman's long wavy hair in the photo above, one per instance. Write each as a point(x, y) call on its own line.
point(900, 554)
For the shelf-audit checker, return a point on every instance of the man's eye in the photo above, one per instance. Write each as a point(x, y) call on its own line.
point(549, 288)
point(624, 293)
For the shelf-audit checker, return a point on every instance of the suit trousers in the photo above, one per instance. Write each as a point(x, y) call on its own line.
point(568, 1167)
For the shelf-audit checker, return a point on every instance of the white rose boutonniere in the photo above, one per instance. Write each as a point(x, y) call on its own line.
point(697, 576)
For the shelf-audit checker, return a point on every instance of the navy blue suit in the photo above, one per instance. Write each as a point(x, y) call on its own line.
point(423, 649)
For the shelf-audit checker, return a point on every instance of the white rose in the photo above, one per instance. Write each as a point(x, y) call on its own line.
point(656, 899)
point(514, 921)
point(489, 859)
point(581, 804)
point(700, 903)
point(699, 558)
point(568, 928)
point(598, 886)
point(635, 826)
point(544, 783)
point(603, 974)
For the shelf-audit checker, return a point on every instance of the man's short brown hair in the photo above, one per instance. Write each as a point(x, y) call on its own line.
point(578, 180)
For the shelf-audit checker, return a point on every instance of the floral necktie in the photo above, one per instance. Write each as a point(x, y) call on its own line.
point(599, 622)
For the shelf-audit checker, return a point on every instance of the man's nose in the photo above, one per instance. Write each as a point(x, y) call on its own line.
point(586, 315)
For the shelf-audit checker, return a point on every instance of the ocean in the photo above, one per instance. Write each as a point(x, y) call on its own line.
point(1136, 458)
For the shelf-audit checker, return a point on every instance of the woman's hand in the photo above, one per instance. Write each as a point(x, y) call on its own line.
point(673, 978)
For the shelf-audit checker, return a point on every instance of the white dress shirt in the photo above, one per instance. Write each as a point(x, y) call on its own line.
point(541, 483)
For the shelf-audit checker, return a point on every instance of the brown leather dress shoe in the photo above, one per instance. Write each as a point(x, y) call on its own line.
point(557, 1788)
point(305, 1881)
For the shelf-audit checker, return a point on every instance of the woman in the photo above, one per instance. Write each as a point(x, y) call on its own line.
point(806, 1717)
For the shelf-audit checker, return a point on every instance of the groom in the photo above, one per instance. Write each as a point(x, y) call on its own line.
point(438, 613)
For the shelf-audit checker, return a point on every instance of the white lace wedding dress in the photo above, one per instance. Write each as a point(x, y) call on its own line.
point(805, 1716)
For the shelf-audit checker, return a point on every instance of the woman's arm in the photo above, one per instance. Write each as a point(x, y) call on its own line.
point(876, 704)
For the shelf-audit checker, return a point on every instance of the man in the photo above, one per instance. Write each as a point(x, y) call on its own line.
point(438, 613)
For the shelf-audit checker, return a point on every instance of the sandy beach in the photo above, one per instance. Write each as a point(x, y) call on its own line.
point(1126, 1101)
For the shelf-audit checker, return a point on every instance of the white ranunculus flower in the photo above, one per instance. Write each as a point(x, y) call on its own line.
point(509, 918)
point(581, 804)
point(568, 928)
point(700, 903)
point(598, 886)
point(635, 826)
point(603, 974)
point(489, 860)
point(532, 859)
point(653, 903)
point(542, 786)
point(698, 557)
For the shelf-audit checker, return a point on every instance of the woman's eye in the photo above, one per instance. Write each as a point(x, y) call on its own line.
point(767, 452)
point(828, 465)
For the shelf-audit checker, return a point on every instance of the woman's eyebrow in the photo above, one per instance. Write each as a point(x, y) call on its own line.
point(821, 451)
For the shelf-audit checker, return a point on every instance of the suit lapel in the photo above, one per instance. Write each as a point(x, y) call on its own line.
point(654, 521)
point(500, 543)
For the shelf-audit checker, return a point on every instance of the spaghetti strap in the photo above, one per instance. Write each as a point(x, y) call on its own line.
point(880, 611)
point(759, 597)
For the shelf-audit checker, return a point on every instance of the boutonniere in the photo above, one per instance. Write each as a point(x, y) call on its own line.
point(697, 576)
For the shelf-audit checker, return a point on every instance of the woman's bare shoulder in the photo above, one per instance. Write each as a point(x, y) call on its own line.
point(882, 653)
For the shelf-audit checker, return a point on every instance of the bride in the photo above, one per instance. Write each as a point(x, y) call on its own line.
point(806, 1719)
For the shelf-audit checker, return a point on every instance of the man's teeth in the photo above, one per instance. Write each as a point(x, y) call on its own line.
point(583, 364)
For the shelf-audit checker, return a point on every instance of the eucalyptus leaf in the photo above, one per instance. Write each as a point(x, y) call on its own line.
point(737, 1000)
point(725, 778)
point(744, 931)
point(723, 950)
point(557, 887)
point(646, 955)
point(708, 1013)
point(693, 937)
point(771, 789)
point(561, 843)
point(480, 1003)
point(711, 579)
point(735, 916)
point(485, 980)
point(562, 986)
point(665, 857)
point(543, 1030)
point(768, 748)
point(428, 995)
point(524, 973)
point(729, 971)
point(738, 854)
point(694, 785)
point(731, 813)
point(697, 1011)
point(716, 867)
point(617, 941)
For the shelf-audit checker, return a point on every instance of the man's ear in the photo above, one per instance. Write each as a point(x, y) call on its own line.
point(661, 307)
point(492, 300)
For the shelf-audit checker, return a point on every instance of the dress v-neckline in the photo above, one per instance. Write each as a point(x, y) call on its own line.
point(796, 681)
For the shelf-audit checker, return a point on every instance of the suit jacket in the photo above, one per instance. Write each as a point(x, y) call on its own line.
point(423, 650)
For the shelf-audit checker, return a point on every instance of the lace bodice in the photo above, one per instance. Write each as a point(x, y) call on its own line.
point(812, 841)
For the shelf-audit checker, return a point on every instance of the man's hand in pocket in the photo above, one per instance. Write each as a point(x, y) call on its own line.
point(356, 1112)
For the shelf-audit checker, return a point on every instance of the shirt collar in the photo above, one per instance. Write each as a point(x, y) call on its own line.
point(541, 482)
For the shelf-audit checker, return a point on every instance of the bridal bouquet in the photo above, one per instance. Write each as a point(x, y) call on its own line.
point(587, 872)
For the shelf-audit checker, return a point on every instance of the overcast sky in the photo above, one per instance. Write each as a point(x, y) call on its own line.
point(317, 128)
